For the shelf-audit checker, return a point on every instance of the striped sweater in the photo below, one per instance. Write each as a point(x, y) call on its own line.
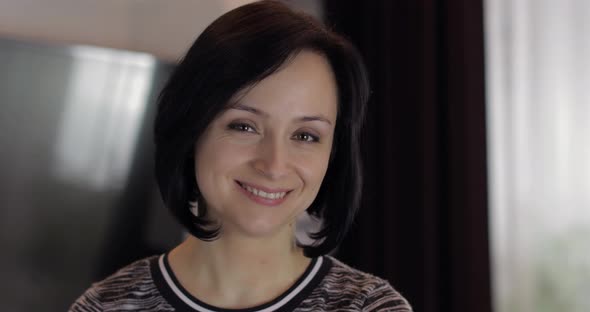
point(326, 285)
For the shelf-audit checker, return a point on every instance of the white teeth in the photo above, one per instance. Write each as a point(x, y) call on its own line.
point(264, 194)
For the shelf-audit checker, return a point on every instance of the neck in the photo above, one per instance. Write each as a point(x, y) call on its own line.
point(238, 272)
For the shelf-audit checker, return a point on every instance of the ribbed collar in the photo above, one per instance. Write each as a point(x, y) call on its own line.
point(182, 300)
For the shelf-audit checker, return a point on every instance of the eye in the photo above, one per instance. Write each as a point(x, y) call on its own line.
point(306, 137)
point(241, 127)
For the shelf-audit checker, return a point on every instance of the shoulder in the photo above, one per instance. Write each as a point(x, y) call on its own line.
point(362, 290)
point(132, 283)
point(133, 276)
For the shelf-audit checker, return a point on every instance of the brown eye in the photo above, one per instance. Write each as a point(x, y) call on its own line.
point(306, 137)
point(241, 127)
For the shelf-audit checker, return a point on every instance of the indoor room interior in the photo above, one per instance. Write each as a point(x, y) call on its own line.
point(476, 146)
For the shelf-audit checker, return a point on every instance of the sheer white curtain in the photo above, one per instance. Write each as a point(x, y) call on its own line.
point(538, 85)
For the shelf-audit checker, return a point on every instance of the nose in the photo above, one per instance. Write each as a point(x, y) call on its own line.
point(272, 158)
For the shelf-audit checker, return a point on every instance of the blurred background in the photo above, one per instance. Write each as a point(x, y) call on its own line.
point(476, 148)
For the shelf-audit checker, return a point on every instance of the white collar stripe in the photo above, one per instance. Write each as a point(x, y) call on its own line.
point(297, 289)
point(273, 307)
point(177, 291)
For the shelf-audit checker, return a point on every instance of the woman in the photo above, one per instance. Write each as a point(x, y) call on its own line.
point(259, 123)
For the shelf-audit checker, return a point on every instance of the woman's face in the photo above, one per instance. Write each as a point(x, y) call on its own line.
point(261, 162)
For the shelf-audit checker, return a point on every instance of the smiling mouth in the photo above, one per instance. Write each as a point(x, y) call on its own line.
point(267, 194)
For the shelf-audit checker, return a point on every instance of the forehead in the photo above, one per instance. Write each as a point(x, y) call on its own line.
point(304, 84)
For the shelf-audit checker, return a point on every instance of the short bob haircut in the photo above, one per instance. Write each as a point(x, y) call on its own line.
point(236, 51)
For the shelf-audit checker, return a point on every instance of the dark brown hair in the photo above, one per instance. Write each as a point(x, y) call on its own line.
point(236, 51)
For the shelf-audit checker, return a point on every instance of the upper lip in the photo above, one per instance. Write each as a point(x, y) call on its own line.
point(262, 188)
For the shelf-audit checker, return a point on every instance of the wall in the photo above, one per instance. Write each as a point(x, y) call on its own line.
point(163, 28)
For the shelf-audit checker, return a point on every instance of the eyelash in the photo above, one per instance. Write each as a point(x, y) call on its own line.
point(244, 127)
point(312, 138)
point(239, 126)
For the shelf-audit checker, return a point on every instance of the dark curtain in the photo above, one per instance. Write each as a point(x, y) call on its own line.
point(424, 221)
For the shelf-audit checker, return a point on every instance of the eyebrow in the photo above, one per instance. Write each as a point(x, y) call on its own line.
point(255, 111)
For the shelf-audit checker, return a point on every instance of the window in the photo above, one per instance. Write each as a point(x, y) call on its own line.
point(538, 75)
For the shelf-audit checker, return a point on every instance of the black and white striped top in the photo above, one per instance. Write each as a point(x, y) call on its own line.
point(326, 285)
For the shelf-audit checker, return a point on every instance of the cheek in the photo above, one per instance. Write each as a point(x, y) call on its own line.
point(314, 170)
point(211, 157)
point(214, 160)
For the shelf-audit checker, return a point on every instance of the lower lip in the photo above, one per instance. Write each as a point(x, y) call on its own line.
point(261, 200)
